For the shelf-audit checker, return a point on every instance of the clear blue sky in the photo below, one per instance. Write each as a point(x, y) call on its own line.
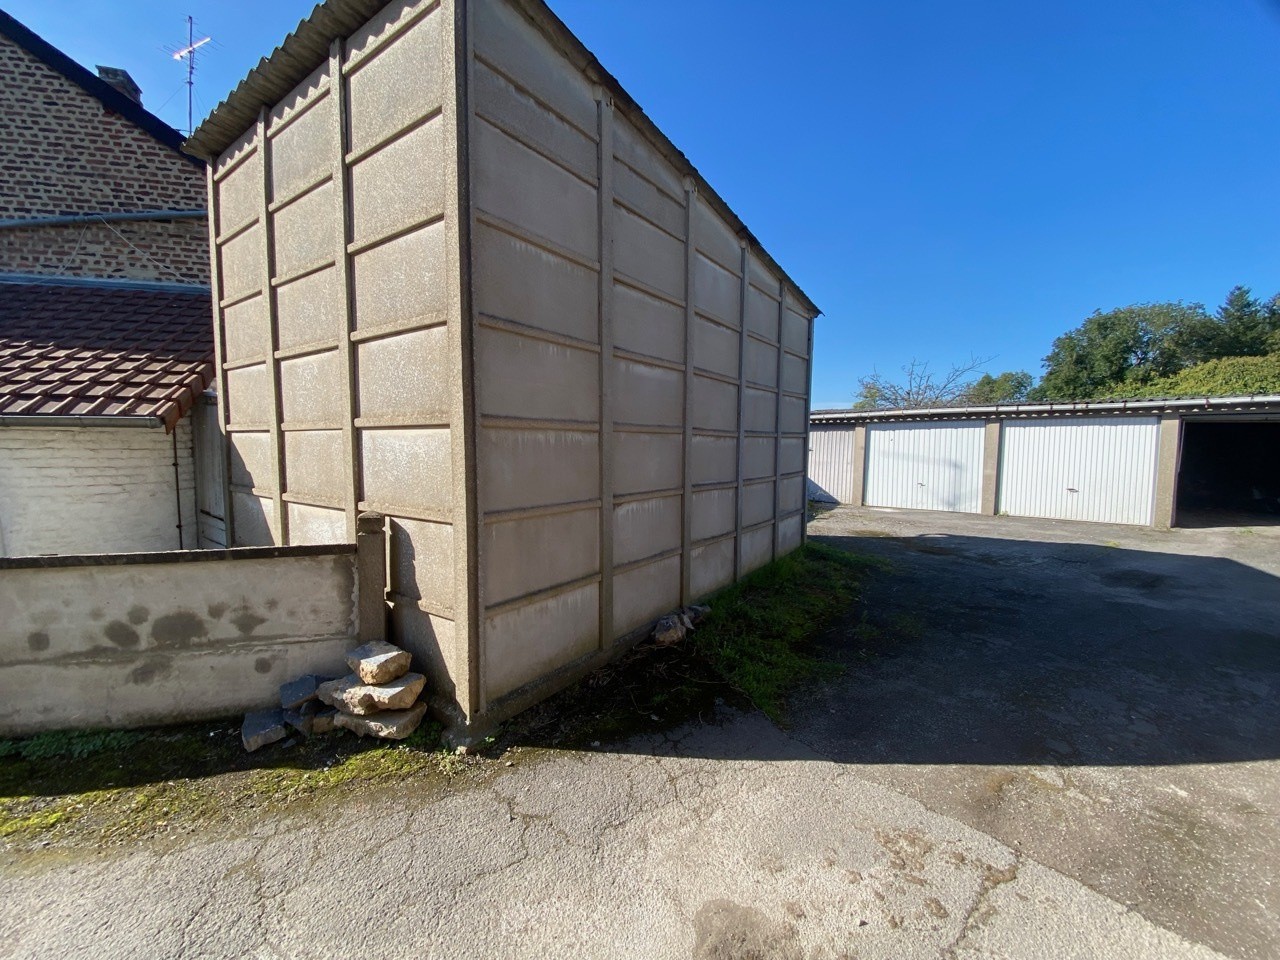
point(942, 178)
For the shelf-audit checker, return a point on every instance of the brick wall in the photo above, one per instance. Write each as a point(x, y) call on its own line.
point(67, 490)
point(63, 153)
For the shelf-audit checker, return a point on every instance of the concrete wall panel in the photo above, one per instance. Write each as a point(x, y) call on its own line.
point(757, 457)
point(712, 567)
point(795, 414)
point(790, 493)
point(240, 195)
point(760, 275)
point(761, 363)
point(645, 528)
point(537, 288)
point(304, 151)
point(251, 460)
point(715, 238)
point(400, 81)
point(648, 200)
point(795, 332)
point(254, 520)
point(716, 291)
point(714, 513)
point(645, 593)
point(635, 151)
point(421, 561)
point(399, 185)
point(402, 282)
point(308, 524)
point(643, 252)
point(248, 396)
point(759, 410)
point(789, 534)
point(434, 643)
point(313, 465)
point(757, 502)
point(762, 315)
point(715, 459)
point(530, 468)
point(534, 640)
point(795, 374)
point(409, 468)
point(646, 461)
point(522, 187)
point(757, 548)
point(405, 376)
point(715, 404)
point(792, 457)
point(306, 389)
point(528, 554)
point(240, 264)
point(304, 232)
point(247, 334)
point(715, 348)
point(647, 394)
point(518, 376)
point(309, 310)
point(645, 324)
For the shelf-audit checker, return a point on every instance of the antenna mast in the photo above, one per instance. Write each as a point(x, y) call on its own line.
point(188, 53)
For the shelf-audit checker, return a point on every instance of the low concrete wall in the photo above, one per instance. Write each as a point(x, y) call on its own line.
point(125, 640)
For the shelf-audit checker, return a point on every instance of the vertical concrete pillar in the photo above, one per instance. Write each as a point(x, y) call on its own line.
point(273, 332)
point(604, 108)
point(686, 508)
point(745, 266)
point(858, 472)
point(219, 358)
point(371, 576)
point(991, 443)
point(777, 420)
point(1168, 462)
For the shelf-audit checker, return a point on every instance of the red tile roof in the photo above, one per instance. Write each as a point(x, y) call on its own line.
point(103, 348)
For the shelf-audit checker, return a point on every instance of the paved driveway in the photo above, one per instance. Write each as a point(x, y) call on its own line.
point(1045, 747)
point(1103, 699)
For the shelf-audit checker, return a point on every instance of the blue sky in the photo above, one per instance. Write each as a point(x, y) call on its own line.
point(943, 179)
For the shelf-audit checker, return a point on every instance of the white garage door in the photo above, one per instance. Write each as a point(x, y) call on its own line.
point(1101, 470)
point(831, 462)
point(925, 466)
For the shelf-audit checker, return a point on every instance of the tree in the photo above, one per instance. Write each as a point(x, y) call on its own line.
point(1122, 349)
point(1223, 377)
point(1012, 386)
point(1245, 326)
point(918, 389)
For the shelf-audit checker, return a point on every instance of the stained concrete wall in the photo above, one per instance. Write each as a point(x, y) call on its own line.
point(641, 376)
point(137, 639)
point(339, 349)
point(71, 490)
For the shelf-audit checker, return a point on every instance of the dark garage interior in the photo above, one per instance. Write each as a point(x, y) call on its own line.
point(1230, 473)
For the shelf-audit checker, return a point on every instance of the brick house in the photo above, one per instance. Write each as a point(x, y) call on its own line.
point(105, 340)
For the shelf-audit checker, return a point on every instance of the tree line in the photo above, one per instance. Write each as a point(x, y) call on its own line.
point(1142, 350)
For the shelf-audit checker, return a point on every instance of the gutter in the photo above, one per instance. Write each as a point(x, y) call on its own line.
point(1014, 410)
point(73, 219)
point(99, 420)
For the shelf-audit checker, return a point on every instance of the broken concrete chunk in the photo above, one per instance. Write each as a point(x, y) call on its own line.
point(262, 727)
point(670, 629)
point(322, 722)
point(392, 725)
point(697, 612)
point(302, 719)
point(351, 696)
point(378, 662)
point(297, 692)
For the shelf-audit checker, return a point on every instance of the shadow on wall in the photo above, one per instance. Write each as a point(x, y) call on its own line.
point(970, 650)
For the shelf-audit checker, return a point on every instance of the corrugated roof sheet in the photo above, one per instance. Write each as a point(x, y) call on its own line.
point(308, 46)
point(103, 349)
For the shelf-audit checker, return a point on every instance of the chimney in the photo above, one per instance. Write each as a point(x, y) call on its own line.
point(121, 80)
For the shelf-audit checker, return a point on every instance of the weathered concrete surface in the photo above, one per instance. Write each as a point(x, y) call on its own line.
point(692, 847)
point(1102, 698)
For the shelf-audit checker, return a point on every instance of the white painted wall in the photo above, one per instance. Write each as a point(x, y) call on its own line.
point(925, 466)
point(69, 490)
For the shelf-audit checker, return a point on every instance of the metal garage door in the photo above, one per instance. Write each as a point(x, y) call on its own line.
point(831, 462)
point(925, 466)
point(1101, 470)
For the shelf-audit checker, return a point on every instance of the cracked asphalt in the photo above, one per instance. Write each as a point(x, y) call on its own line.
point(902, 815)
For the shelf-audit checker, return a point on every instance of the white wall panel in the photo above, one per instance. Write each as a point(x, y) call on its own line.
point(925, 466)
point(1099, 470)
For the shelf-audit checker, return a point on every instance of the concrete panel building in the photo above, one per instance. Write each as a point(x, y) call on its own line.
point(1162, 463)
point(461, 279)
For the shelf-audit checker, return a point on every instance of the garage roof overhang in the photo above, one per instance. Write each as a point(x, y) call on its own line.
point(1224, 407)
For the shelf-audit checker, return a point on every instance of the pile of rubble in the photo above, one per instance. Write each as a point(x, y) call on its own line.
point(674, 627)
point(378, 698)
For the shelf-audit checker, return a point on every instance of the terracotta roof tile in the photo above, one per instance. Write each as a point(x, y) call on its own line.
point(103, 349)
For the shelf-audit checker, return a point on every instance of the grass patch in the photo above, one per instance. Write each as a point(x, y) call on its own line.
point(761, 631)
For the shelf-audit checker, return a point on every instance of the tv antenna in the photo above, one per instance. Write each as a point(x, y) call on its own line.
point(188, 53)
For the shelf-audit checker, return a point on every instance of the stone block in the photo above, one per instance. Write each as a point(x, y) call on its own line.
point(349, 695)
point(302, 717)
point(669, 630)
point(297, 692)
point(322, 722)
point(262, 727)
point(378, 662)
point(391, 725)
